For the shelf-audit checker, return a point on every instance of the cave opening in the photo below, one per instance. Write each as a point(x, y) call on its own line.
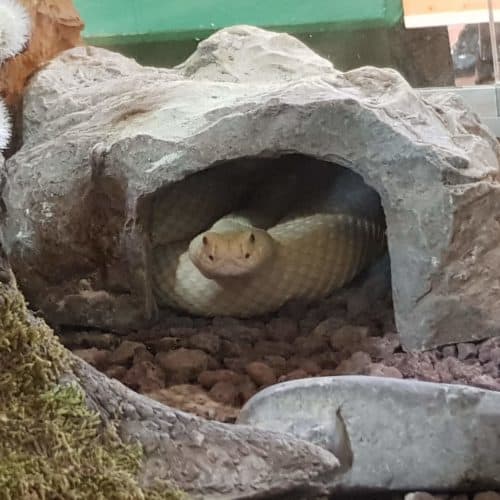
point(211, 364)
point(265, 191)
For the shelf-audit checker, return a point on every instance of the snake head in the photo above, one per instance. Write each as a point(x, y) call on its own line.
point(231, 254)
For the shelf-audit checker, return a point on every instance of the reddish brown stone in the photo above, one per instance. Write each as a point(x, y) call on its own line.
point(209, 378)
point(348, 336)
point(182, 365)
point(225, 392)
point(357, 364)
point(205, 341)
point(310, 367)
point(144, 376)
point(124, 353)
point(262, 374)
point(307, 345)
point(294, 375)
point(247, 388)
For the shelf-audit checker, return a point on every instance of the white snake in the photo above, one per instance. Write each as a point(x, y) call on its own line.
point(297, 238)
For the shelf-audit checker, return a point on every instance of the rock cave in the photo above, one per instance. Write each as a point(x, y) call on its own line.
point(108, 143)
point(369, 120)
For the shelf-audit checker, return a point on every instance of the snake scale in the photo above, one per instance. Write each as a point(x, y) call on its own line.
point(298, 236)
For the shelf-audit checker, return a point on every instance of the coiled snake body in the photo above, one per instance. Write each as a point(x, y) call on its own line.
point(294, 240)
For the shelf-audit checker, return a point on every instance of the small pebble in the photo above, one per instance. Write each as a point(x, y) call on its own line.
point(166, 344)
point(205, 341)
point(209, 378)
point(348, 335)
point(262, 374)
point(310, 367)
point(124, 353)
point(224, 392)
point(277, 363)
point(247, 388)
point(357, 364)
point(294, 375)
point(449, 351)
point(466, 351)
point(144, 376)
point(143, 354)
point(308, 345)
point(182, 365)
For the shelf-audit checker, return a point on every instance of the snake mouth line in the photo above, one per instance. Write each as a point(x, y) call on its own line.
point(231, 269)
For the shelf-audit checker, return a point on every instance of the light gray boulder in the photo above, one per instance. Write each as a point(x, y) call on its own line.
point(104, 137)
point(390, 434)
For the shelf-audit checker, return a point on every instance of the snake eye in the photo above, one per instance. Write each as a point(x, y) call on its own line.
point(204, 240)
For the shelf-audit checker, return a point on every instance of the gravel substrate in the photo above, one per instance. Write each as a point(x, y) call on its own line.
point(211, 367)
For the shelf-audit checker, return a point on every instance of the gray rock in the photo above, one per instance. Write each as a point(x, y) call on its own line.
point(103, 138)
point(390, 434)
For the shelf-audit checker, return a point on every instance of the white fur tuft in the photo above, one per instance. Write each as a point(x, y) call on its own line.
point(15, 28)
point(4, 126)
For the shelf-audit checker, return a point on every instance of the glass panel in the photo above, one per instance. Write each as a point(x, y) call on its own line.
point(493, 41)
point(433, 43)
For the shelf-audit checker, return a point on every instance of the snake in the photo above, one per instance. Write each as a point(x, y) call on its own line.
point(300, 235)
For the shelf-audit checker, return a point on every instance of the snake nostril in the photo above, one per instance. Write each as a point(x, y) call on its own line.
point(211, 257)
point(247, 256)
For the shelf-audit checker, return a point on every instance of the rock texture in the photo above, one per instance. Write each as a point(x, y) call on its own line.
point(424, 436)
point(104, 137)
point(208, 460)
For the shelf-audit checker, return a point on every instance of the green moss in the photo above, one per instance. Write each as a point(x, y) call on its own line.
point(51, 445)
